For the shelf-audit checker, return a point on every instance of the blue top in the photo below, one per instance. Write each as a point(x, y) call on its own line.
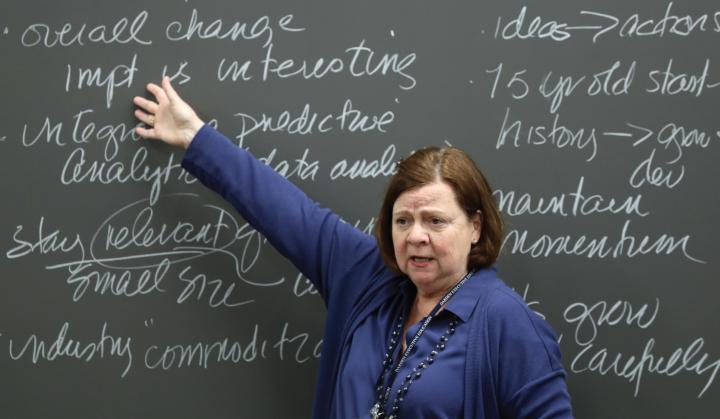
point(445, 373)
point(503, 360)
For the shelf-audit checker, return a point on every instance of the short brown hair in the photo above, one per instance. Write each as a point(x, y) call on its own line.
point(472, 191)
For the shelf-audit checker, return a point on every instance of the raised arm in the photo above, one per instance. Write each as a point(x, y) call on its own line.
point(323, 247)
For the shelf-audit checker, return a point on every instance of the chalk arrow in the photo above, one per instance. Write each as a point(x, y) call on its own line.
point(645, 133)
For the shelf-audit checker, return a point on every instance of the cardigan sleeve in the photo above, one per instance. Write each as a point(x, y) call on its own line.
point(525, 358)
point(317, 241)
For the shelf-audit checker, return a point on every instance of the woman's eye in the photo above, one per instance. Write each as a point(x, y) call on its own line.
point(400, 221)
point(436, 221)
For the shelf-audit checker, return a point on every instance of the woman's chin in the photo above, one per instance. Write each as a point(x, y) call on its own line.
point(422, 278)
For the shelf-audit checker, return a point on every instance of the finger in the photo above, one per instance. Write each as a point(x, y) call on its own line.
point(145, 105)
point(169, 90)
point(158, 92)
point(145, 118)
point(147, 133)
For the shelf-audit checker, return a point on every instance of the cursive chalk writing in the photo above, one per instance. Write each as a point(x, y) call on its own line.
point(575, 204)
point(523, 27)
point(84, 131)
point(73, 35)
point(668, 82)
point(120, 283)
point(260, 28)
point(650, 173)
point(201, 287)
point(626, 245)
point(303, 286)
point(632, 367)
point(46, 243)
point(359, 61)
point(305, 122)
point(556, 135)
point(203, 354)
point(363, 168)
point(120, 75)
point(587, 318)
point(78, 169)
point(63, 346)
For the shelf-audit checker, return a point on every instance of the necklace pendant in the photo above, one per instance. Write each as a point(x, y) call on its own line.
point(375, 411)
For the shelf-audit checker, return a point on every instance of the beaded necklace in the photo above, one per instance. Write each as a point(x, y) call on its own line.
point(378, 410)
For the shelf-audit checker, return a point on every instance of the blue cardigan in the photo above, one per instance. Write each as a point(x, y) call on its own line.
point(512, 365)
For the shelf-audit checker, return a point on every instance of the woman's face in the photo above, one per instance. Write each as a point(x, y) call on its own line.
point(432, 236)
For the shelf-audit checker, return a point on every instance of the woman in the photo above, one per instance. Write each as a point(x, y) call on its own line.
point(418, 325)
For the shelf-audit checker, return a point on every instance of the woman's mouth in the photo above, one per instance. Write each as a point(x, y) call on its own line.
point(420, 262)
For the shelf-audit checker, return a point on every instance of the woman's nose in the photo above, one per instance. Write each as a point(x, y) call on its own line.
point(417, 234)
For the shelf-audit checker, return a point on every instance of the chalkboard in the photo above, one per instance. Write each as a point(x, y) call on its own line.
point(128, 290)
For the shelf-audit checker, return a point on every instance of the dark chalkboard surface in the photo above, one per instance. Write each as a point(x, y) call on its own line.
point(127, 290)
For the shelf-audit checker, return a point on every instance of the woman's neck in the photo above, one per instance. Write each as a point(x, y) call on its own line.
point(425, 301)
point(421, 307)
point(426, 298)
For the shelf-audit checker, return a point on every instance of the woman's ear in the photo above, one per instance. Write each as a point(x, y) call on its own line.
point(476, 221)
